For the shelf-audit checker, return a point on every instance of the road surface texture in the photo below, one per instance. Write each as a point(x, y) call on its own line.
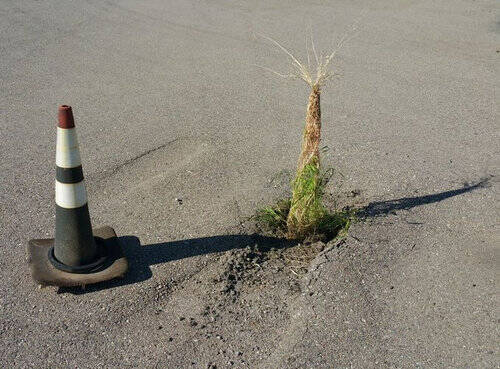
point(182, 138)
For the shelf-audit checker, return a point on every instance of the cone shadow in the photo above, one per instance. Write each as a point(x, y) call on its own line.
point(140, 258)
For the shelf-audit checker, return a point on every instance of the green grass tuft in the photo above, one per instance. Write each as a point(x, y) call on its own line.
point(312, 220)
point(334, 225)
point(273, 218)
point(306, 210)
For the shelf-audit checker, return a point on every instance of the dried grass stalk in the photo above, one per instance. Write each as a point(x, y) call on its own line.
point(306, 208)
point(312, 131)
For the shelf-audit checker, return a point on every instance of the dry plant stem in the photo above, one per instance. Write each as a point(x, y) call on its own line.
point(303, 204)
point(312, 131)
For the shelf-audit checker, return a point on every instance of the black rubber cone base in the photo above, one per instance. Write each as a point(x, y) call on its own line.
point(46, 274)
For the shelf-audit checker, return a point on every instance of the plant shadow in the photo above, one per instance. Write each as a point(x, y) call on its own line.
point(382, 208)
point(140, 258)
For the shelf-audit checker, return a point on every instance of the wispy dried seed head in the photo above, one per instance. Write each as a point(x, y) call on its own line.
point(302, 71)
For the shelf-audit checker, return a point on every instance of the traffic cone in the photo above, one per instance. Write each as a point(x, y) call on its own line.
point(78, 255)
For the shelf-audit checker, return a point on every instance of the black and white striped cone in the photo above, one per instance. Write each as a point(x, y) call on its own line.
point(75, 249)
point(78, 255)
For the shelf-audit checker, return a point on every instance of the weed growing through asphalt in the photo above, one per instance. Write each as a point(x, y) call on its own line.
point(319, 223)
point(304, 215)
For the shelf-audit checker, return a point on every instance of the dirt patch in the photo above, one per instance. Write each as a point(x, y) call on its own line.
point(245, 276)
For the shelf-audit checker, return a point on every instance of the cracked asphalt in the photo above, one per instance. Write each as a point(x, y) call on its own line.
point(182, 137)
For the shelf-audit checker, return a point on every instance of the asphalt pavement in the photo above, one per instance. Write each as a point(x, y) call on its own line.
point(183, 137)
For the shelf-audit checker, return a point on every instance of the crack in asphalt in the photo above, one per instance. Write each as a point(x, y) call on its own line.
point(130, 161)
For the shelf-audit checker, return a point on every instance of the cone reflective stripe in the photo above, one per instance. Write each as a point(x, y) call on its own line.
point(74, 242)
point(67, 152)
point(77, 255)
